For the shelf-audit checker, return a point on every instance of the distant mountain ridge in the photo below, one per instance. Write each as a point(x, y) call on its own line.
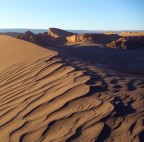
point(36, 31)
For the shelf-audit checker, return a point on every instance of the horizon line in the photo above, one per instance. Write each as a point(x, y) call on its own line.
point(70, 29)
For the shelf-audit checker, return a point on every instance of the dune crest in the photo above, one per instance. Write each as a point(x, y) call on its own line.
point(14, 50)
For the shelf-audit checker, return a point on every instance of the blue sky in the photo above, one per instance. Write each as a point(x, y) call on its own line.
point(73, 14)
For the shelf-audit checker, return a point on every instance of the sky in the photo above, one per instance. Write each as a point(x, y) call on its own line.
point(73, 14)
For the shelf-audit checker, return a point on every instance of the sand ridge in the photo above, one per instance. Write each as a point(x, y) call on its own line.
point(14, 51)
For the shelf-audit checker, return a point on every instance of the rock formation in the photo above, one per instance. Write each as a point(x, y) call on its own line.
point(120, 43)
point(124, 40)
point(92, 38)
point(75, 38)
point(79, 38)
point(131, 34)
point(34, 38)
point(58, 33)
point(127, 43)
point(54, 36)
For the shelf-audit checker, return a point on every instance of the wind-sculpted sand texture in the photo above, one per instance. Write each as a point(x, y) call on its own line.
point(44, 100)
point(125, 92)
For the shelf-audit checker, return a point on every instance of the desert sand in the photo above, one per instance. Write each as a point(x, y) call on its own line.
point(48, 96)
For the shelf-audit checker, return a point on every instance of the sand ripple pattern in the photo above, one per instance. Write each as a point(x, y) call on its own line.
point(43, 100)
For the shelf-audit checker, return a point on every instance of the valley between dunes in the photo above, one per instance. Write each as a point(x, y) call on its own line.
point(49, 97)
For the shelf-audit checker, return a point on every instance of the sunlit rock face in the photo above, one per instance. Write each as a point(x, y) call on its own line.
point(75, 38)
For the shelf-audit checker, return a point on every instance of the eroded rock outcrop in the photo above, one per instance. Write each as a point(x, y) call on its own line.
point(120, 43)
point(75, 38)
point(92, 38)
point(29, 36)
point(131, 34)
point(54, 36)
point(41, 38)
point(127, 43)
point(124, 40)
point(58, 33)
point(79, 38)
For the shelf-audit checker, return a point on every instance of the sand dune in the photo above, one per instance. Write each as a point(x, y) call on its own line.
point(44, 100)
point(14, 51)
